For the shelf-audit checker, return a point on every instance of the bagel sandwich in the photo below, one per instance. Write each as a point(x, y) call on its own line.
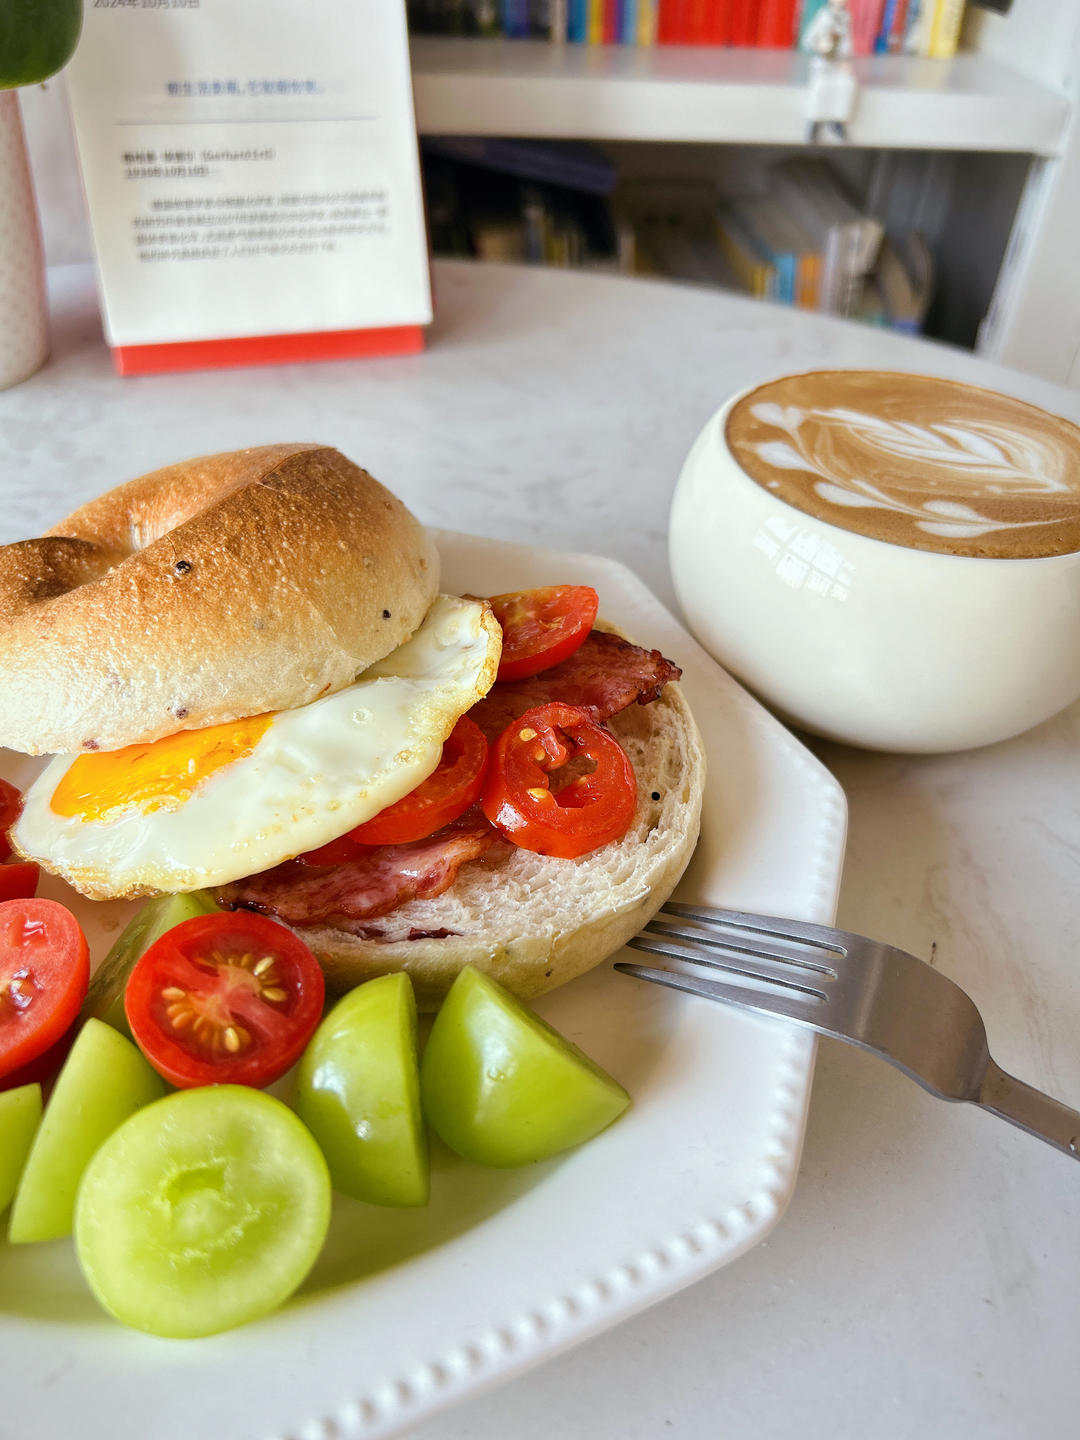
point(238, 659)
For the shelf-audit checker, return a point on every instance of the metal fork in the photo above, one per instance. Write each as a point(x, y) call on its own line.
point(869, 994)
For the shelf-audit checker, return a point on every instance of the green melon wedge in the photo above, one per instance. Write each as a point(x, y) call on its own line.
point(20, 1115)
point(104, 1080)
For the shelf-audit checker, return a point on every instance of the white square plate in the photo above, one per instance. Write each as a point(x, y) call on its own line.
point(408, 1310)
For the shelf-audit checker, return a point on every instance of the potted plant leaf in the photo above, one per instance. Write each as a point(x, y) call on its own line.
point(37, 38)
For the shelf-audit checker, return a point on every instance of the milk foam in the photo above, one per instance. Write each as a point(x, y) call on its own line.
point(975, 458)
point(920, 462)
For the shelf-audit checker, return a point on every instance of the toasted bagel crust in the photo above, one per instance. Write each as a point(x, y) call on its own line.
point(222, 587)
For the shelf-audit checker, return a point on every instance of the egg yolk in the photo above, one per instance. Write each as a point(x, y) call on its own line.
point(160, 775)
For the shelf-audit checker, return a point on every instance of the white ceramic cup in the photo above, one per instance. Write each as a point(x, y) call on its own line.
point(863, 641)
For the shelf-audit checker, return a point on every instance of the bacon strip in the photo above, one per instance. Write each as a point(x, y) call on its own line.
point(604, 675)
point(386, 877)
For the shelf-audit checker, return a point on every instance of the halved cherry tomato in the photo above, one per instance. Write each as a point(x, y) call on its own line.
point(10, 805)
point(541, 627)
point(224, 999)
point(588, 812)
point(19, 880)
point(452, 788)
point(44, 972)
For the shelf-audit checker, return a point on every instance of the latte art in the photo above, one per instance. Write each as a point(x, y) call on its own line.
point(921, 462)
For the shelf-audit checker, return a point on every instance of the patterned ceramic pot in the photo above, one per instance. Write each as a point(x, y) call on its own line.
point(24, 331)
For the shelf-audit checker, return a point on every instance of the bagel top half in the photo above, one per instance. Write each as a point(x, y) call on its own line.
point(205, 592)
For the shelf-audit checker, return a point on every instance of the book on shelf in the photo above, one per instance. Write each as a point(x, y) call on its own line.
point(647, 18)
point(748, 262)
point(890, 37)
point(929, 28)
point(518, 200)
point(903, 282)
point(865, 24)
point(846, 239)
point(803, 242)
point(742, 22)
point(945, 30)
point(763, 221)
point(776, 24)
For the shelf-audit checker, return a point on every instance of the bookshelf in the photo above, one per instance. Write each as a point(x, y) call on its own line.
point(990, 139)
point(987, 145)
point(529, 88)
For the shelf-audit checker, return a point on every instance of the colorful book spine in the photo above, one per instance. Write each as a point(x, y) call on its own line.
point(881, 27)
point(647, 16)
point(776, 24)
point(881, 39)
point(899, 27)
point(742, 253)
point(865, 24)
point(743, 22)
point(945, 29)
point(515, 19)
point(718, 22)
point(920, 20)
point(674, 22)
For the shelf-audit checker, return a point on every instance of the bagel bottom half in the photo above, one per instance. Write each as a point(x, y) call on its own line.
point(533, 922)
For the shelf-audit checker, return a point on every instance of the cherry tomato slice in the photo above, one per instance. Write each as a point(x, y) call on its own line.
point(44, 972)
point(542, 627)
point(452, 788)
point(19, 880)
point(224, 999)
point(10, 805)
point(589, 811)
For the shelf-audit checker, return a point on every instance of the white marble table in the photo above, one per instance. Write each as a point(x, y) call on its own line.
point(926, 1278)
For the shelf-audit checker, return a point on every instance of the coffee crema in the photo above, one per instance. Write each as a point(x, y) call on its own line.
point(926, 463)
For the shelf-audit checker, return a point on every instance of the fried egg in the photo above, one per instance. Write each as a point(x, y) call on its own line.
point(203, 807)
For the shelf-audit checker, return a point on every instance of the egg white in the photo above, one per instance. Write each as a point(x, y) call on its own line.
point(313, 774)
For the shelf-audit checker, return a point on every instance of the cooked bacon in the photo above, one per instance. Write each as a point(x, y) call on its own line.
point(386, 877)
point(604, 675)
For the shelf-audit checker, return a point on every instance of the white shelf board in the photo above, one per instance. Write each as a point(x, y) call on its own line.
point(747, 97)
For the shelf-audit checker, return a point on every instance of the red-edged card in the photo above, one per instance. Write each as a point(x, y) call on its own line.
point(253, 181)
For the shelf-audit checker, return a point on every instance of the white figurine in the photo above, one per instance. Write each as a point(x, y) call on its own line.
point(832, 88)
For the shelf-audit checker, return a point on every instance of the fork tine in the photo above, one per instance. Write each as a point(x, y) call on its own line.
point(708, 937)
point(823, 937)
point(754, 1000)
point(760, 969)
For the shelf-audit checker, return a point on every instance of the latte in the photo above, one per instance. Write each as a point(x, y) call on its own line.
point(920, 462)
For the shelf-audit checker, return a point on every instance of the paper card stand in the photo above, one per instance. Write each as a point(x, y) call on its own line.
point(253, 182)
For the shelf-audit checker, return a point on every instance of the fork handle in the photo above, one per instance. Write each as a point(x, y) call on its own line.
point(1029, 1108)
